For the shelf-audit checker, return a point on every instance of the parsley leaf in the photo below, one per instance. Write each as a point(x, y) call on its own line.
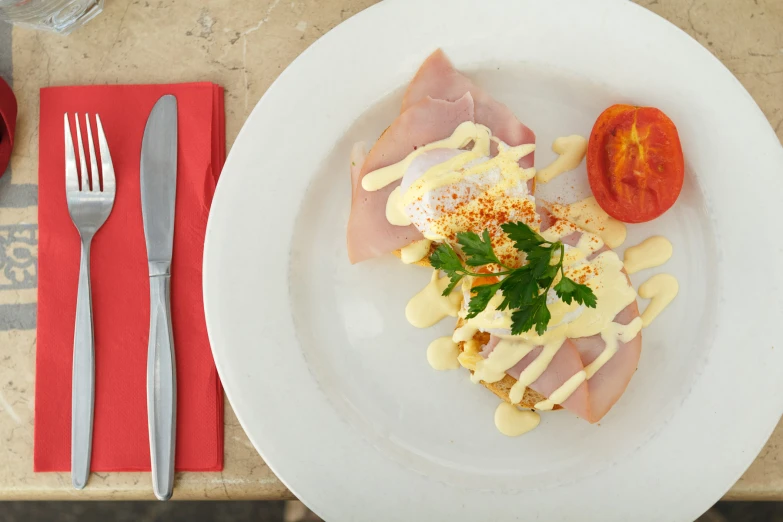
point(523, 236)
point(539, 266)
point(477, 249)
point(524, 289)
point(545, 281)
point(519, 289)
point(445, 258)
point(536, 314)
point(568, 290)
point(454, 281)
point(482, 294)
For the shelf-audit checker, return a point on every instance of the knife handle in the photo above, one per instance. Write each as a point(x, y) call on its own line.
point(83, 377)
point(161, 388)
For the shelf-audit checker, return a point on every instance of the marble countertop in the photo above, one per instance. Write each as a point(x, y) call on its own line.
point(244, 45)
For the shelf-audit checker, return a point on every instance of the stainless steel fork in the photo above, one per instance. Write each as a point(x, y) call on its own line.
point(89, 203)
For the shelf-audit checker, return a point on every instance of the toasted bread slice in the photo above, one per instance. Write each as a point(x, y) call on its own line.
point(469, 355)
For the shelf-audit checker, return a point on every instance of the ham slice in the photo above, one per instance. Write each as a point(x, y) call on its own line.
point(437, 78)
point(565, 364)
point(358, 155)
point(369, 233)
point(610, 382)
point(437, 100)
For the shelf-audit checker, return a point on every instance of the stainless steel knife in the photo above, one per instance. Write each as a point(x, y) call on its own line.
point(158, 194)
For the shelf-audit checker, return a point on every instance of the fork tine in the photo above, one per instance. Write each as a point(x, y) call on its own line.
point(86, 185)
point(71, 175)
point(107, 168)
point(96, 186)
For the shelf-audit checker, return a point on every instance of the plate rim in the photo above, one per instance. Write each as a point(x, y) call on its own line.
point(217, 207)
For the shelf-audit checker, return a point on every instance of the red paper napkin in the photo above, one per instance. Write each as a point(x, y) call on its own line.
point(120, 283)
point(7, 124)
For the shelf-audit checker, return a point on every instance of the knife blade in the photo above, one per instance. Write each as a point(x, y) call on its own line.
point(158, 196)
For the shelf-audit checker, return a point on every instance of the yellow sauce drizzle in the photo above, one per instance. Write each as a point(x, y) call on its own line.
point(416, 251)
point(442, 354)
point(464, 333)
point(614, 335)
point(429, 306)
point(559, 230)
point(508, 196)
point(588, 215)
point(465, 133)
point(470, 357)
point(560, 395)
point(513, 422)
point(590, 243)
point(395, 214)
point(661, 289)
point(571, 150)
point(653, 251)
point(455, 169)
point(505, 355)
point(539, 365)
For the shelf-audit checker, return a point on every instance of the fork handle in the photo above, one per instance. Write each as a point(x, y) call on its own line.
point(83, 378)
point(161, 388)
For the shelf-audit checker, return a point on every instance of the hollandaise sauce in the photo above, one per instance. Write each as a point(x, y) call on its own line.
point(653, 251)
point(442, 354)
point(513, 422)
point(465, 133)
point(588, 215)
point(661, 289)
point(571, 150)
point(563, 392)
point(429, 306)
point(416, 251)
point(395, 213)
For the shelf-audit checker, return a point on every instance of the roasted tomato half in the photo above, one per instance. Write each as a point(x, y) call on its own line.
point(634, 163)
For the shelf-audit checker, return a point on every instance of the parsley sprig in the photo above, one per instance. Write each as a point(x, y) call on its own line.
point(524, 289)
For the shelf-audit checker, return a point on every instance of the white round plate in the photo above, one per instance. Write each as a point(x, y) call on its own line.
point(332, 385)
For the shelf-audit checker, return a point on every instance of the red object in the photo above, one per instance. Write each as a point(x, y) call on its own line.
point(7, 124)
point(634, 163)
point(120, 283)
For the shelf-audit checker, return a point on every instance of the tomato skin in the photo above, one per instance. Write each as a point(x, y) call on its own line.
point(634, 163)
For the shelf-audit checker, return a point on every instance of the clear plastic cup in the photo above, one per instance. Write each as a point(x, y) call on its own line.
point(62, 16)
